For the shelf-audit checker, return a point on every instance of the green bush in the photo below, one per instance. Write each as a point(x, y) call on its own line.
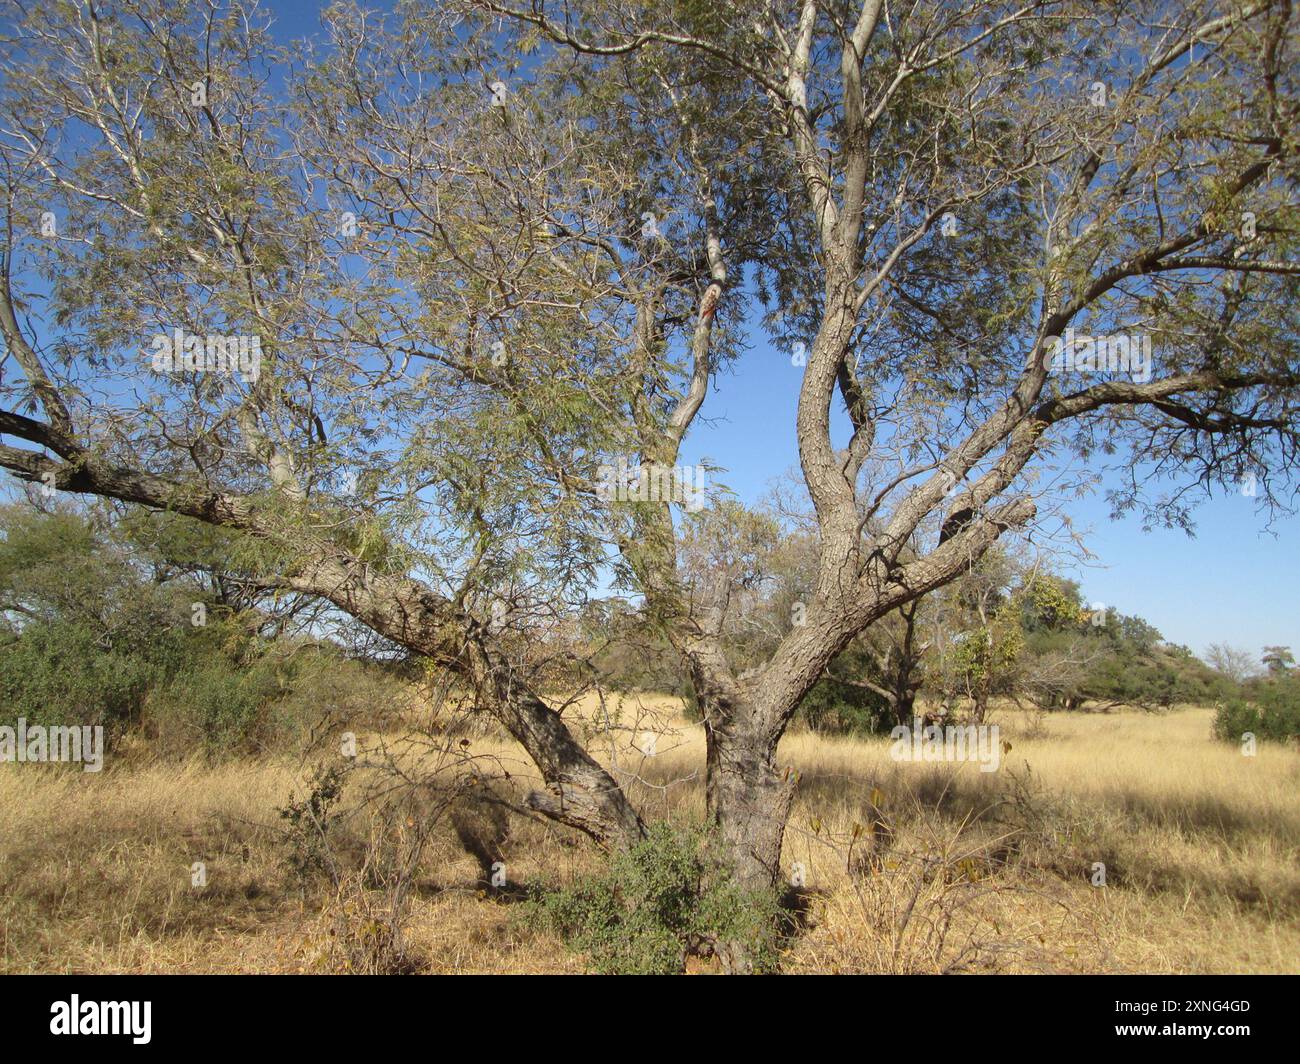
point(211, 689)
point(837, 708)
point(88, 636)
point(1274, 716)
point(1234, 718)
point(240, 694)
point(219, 705)
point(656, 903)
point(59, 672)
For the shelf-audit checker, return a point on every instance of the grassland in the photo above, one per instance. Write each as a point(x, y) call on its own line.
point(947, 869)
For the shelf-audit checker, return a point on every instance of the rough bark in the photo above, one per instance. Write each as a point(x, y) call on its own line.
point(748, 799)
point(580, 793)
point(905, 706)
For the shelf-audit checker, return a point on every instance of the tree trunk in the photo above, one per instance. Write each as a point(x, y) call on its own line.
point(905, 705)
point(748, 801)
point(579, 792)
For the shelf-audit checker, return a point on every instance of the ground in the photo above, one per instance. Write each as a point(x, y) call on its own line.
point(902, 866)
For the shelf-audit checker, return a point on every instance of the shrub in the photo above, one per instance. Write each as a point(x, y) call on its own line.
point(1234, 718)
point(217, 706)
point(87, 637)
point(657, 903)
point(1274, 716)
point(309, 821)
point(836, 708)
point(363, 935)
point(59, 672)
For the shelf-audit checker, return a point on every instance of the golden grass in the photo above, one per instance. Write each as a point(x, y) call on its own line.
point(1200, 844)
point(984, 871)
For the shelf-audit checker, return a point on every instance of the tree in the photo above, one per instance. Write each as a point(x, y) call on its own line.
point(872, 683)
point(485, 257)
point(190, 203)
point(1234, 662)
point(1277, 659)
point(897, 649)
point(980, 634)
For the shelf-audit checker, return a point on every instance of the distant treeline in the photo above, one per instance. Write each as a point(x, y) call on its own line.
point(138, 624)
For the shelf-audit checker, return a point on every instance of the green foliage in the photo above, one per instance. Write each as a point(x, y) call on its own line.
point(1235, 718)
point(1053, 603)
point(836, 706)
point(989, 653)
point(626, 655)
point(59, 672)
point(83, 635)
point(88, 638)
point(1279, 704)
point(64, 566)
point(221, 705)
point(1273, 716)
point(1073, 656)
point(657, 902)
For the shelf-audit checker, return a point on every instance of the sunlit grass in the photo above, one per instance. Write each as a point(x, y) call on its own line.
point(1201, 847)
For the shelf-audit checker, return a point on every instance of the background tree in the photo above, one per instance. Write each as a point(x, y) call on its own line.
point(1235, 663)
point(979, 633)
point(1277, 659)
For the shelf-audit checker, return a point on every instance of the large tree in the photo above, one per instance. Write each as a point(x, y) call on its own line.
point(489, 248)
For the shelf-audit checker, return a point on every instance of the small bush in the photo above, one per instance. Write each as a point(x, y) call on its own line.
point(657, 903)
point(1274, 716)
point(242, 694)
point(363, 935)
point(1234, 718)
point(836, 708)
point(218, 705)
point(308, 822)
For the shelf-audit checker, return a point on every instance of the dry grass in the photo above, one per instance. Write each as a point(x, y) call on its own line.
point(1200, 846)
point(970, 871)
